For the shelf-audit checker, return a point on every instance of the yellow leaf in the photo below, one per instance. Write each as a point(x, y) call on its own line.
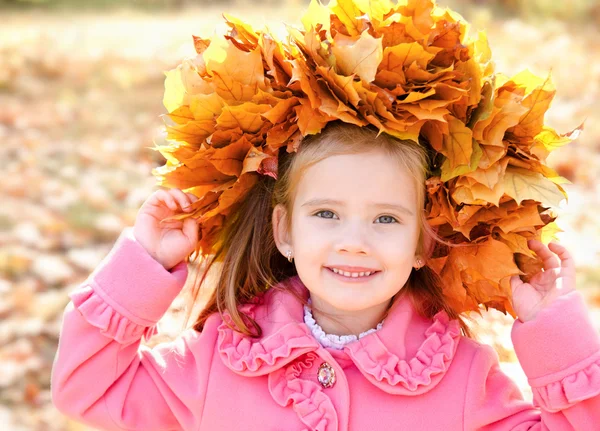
point(232, 90)
point(360, 56)
point(376, 9)
point(448, 174)
point(192, 132)
point(478, 194)
point(245, 116)
point(174, 90)
point(458, 144)
point(181, 115)
point(206, 106)
point(521, 184)
point(483, 53)
point(241, 30)
point(245, 68)
point(549, 140)
point(491, 155)
point(315, 15)
point(489, 177)
point(506, 114)
point(539, 95)
point(438, 114)
point(548, 233)
point(418, 13)
point(399, 57)
point(348, 13)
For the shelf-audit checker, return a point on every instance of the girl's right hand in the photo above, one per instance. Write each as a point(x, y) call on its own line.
point(170, 242)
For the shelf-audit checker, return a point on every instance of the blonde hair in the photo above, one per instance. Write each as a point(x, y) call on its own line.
point(251, 262)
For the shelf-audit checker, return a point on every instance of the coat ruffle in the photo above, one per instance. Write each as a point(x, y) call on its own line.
point(417, 375)
point(255, 357)
point(103, 316)
point(575, 387)
point(314, 408)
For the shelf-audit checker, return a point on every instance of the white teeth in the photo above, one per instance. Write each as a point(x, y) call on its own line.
point(352, 274)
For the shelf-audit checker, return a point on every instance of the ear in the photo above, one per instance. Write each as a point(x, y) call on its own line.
point(280, 232)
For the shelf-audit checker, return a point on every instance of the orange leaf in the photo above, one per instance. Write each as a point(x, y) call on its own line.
point(358, 56)
point(458, 144)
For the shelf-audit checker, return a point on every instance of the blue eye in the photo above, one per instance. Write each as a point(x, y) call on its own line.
point(324, 211)
point(388, 217)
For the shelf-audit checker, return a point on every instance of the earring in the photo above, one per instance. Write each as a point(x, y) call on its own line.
point(419, 264)
point(289, 256)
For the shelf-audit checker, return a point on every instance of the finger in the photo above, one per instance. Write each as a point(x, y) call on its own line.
point(190, 229)
point(182, 199)
point(566, 260)
point(515, 281)
point(193, 197)
point(549, 259)
point(167, 199)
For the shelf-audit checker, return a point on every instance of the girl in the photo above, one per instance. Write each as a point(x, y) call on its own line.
point(352, 333)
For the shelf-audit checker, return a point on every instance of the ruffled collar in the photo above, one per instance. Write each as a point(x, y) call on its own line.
point(331, 340)
point(408, 355)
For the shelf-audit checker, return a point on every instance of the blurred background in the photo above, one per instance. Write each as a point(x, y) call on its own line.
point(81, 86)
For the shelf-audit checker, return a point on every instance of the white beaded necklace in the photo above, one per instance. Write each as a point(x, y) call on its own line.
point(332, 340)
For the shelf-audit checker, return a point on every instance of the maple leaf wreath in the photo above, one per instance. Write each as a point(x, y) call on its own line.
point(410, 70)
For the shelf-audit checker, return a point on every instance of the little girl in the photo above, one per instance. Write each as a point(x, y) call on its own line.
point(359, 338)
point(327, 313)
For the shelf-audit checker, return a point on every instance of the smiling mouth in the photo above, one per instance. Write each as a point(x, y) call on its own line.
point(353, 275)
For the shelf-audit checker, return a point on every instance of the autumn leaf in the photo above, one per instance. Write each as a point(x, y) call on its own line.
point(539, 95)
point(246, 116)
point(458, 144)
point(376, 10)
point(358, 56)
point(522, 184)
point(549, 140)
point(349, 14)
point(200, 44)
point(233, 65)
point(316, 15)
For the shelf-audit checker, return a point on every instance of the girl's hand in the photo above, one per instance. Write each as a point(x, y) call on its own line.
point(169, 242)
point(556, 279)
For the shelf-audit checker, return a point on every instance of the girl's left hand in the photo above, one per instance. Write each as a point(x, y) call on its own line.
point(556, 279)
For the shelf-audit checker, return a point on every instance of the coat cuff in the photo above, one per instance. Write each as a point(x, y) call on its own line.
point(559, 352)
point(129, 291)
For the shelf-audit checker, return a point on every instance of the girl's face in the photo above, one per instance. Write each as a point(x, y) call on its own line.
point(355, 210)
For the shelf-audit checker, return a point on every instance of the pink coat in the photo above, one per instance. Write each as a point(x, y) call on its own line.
point(413, 374)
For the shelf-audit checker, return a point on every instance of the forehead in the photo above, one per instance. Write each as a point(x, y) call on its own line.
point(367, 176)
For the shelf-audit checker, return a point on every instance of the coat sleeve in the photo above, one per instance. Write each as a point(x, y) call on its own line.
point(559, 352)
point(102, 376)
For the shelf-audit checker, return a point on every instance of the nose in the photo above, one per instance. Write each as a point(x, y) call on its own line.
point(353, 239)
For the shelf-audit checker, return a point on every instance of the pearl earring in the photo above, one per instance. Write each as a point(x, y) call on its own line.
point(419, 264)
point(289, 256)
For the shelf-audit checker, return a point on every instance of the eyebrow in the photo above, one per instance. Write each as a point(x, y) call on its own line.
point(318, 202)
